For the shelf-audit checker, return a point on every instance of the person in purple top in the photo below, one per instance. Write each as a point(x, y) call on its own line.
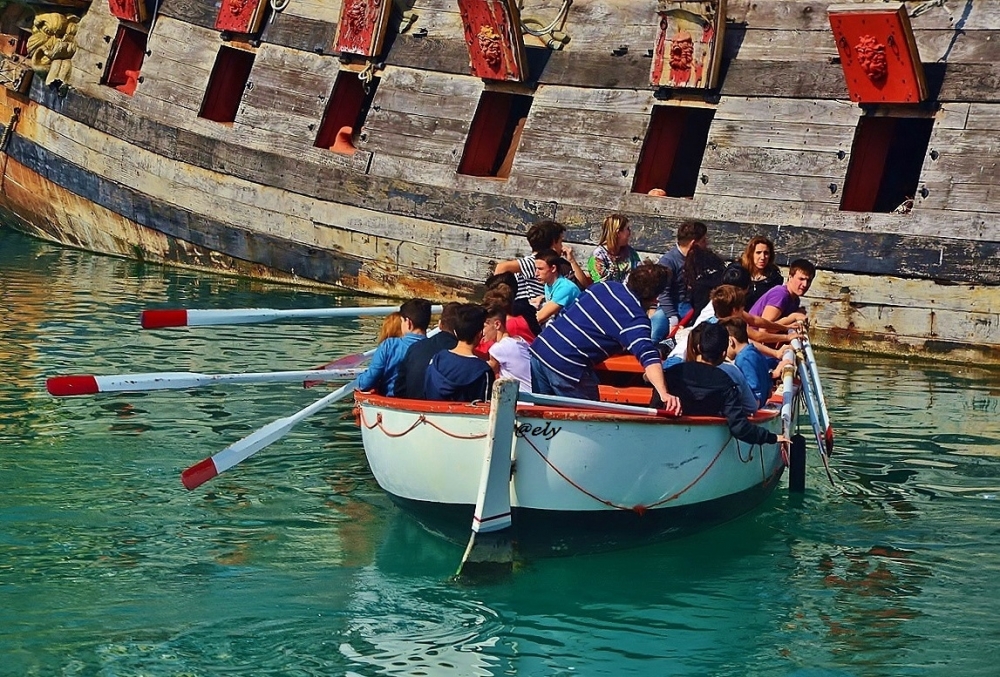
point(383, 369)
point(781, 304)
point(607, 318)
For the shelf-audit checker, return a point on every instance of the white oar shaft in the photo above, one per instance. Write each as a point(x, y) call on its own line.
point(817, 384)
point(62, 386)
point(560, 401)
point(239, 451)
point(156, 319)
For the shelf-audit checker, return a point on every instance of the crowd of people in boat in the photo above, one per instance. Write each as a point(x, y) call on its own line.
point(709, 334)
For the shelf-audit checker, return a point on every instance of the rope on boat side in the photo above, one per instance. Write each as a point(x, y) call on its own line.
point(418, 421)
point(638, 509)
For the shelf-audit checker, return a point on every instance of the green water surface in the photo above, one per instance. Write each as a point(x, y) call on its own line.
point(295, 563)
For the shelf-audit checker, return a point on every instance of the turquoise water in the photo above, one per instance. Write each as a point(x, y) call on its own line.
point(295, 563)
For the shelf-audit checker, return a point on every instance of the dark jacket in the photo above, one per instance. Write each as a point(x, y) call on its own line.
point(410, 377)
point(458, 378)
point(705, 390)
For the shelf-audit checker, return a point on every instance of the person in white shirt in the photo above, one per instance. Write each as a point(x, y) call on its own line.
point(508, 355)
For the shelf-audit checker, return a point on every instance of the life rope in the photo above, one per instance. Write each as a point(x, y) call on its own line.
point(546, 30)
point(420, 420)
point(638, 509)
point(279, 5)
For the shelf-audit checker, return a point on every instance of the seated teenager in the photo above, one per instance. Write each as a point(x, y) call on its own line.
point(609, 317)
point(410, 377)
point(706, 390)
point(509, 356)
point(560, 292)
point(383, 369)
point(782, 304)
point(516, 325)
point(521, 316)
point(541, 236)
point(748, 361)
point(457, 375)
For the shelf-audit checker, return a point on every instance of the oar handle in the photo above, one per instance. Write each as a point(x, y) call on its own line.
point(560, 401)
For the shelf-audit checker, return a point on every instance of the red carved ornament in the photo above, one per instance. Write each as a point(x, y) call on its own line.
point(871, 58)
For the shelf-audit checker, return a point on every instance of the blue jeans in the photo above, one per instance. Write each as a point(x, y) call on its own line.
point(661, 323)
point(544, 381)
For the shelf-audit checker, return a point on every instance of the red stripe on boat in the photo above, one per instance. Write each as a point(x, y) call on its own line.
point(156, 319)
point(62, 386)
point(198, 474)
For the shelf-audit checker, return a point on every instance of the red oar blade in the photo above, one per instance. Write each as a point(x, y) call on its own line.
point(828, 438)
point(198, 474)
point(66, 386)
point(157, 319)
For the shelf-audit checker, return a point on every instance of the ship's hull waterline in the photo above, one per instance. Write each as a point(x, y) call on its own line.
point(144, 176)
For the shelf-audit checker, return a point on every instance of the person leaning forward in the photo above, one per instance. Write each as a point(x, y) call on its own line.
point(607, 318)
point(706, 390)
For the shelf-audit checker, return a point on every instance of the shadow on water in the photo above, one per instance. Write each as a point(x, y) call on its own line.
point(296, 563)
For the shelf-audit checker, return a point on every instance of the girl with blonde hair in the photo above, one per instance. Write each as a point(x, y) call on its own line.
point(614, 258)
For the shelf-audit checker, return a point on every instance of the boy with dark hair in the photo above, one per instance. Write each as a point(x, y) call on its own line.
point(508, 355)
point(541, 236)
point(781, 304)
point(748, 360)
point(410, 378)
point(705, 390)
point(457, 375)
point(560, 292)
point(673, 304)
point(383, 369)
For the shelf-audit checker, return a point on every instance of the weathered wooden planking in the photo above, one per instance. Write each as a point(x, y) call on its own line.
point(800, 111)
point(197, 12)
point(318, 10)
point(597, 99)
point(298, 32)
point(953, 196)
point(984, 116)
point(588, 121)
point(785, 135)
point(803, 162)
point(765, 185)
point(258, 207)
point(386, 122)
point(350, 195)
point(421, 103)
point(811, 15)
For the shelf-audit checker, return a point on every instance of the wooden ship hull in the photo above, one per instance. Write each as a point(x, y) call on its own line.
point(404, 148)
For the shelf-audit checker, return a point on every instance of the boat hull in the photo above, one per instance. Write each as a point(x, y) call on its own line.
point(582, 480)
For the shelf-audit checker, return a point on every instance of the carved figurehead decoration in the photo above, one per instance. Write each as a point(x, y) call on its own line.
point(494, 38)
point(362, 27)
point(51, 46)
point(240, 16)
point(688, 49)
point(878, 53)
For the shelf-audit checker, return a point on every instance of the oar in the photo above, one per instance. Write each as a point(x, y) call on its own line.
point(820, 399)
point(235, 453)
point(490, 552)
point(157, 319)
point(85, 384)
point(560, 401)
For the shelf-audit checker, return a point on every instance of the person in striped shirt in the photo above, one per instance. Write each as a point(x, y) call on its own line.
point(607, 318)
point(542, 235)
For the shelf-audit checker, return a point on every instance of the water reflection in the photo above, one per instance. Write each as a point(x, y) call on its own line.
point(296, 563)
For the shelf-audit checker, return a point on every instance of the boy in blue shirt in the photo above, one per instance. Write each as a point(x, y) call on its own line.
point(383, 369)
point(748, 359)
point(458, 375)
point(560, 292)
